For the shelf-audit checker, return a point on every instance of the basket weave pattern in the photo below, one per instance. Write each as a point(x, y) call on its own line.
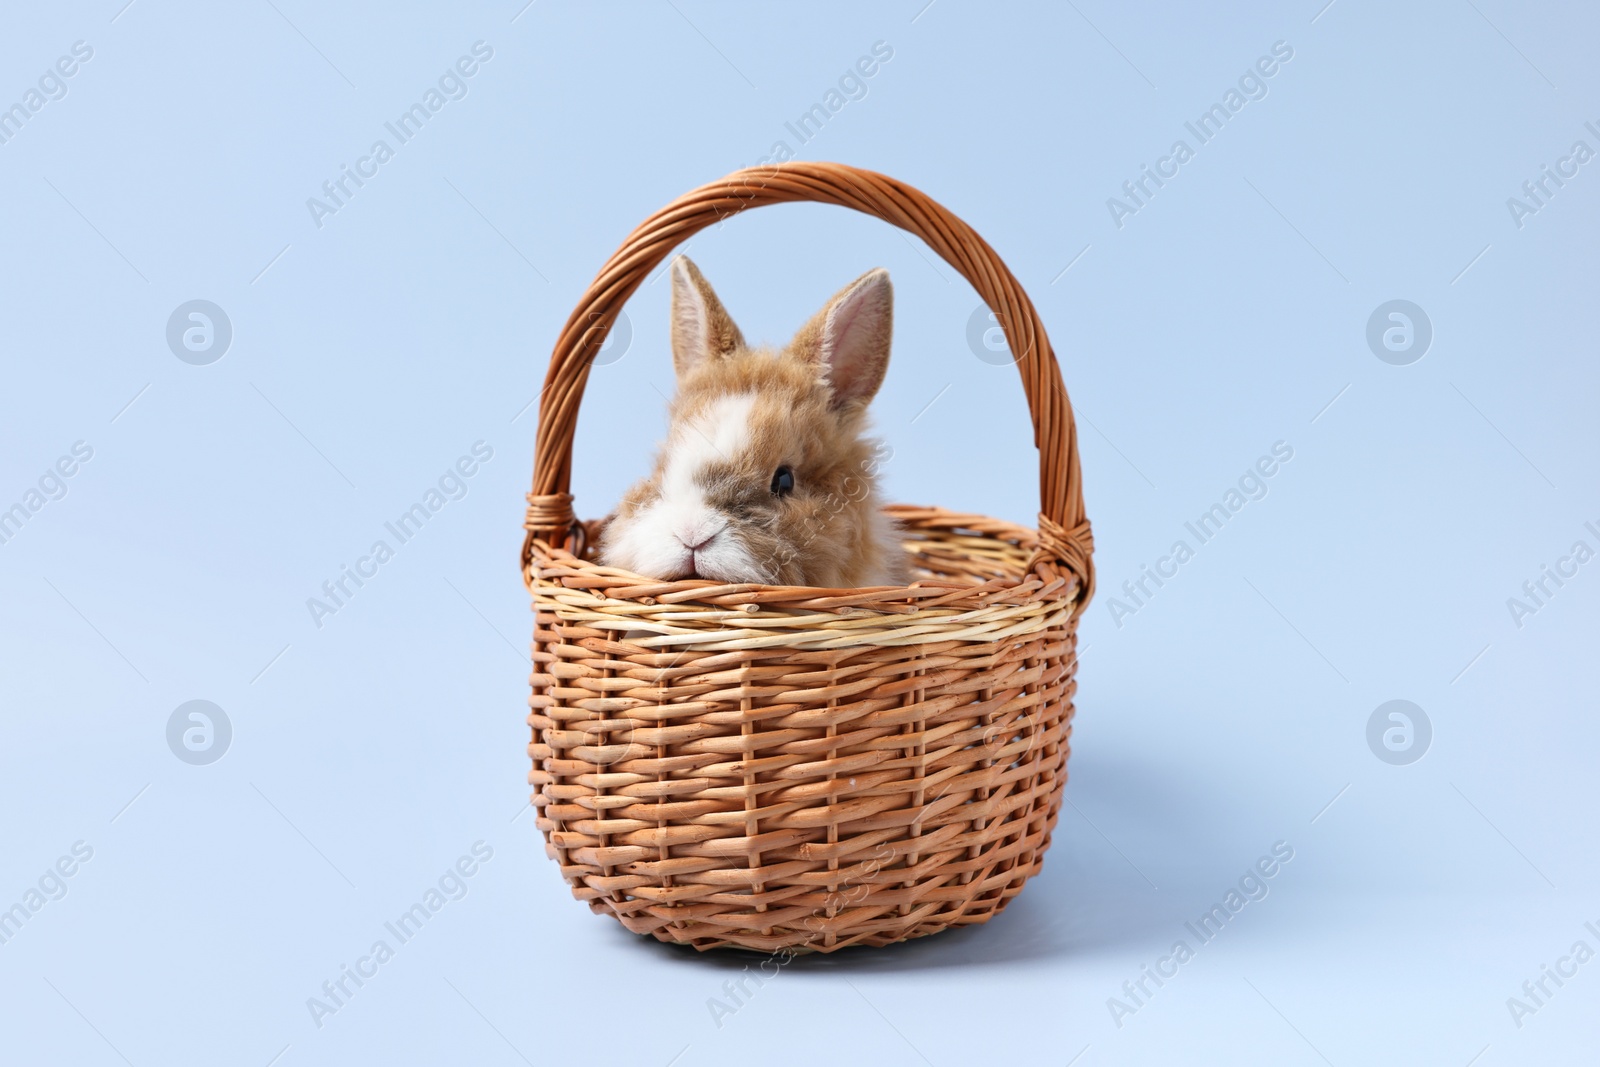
point(782, 767)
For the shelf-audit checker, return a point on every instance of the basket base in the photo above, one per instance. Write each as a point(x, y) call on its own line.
point(890, 930)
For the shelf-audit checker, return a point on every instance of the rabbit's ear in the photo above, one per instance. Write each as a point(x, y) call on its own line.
point(849, 338)
point(700, 326)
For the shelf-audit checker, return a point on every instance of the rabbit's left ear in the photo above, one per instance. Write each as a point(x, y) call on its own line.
point(701, 328)
point(849, 338)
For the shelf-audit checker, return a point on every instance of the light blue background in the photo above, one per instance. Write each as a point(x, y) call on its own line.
point(370, 353)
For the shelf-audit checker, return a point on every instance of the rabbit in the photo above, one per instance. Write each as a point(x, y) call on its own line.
point(765, 475)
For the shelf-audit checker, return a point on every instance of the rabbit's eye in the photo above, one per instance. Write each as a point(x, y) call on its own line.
point(782, 482)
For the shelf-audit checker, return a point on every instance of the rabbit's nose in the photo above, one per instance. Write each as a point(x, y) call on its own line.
point(699, 537)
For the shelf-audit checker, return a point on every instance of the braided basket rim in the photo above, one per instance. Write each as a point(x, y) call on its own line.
point(708, 615)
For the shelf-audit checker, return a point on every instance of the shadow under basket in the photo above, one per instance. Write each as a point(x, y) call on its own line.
point(792, 768)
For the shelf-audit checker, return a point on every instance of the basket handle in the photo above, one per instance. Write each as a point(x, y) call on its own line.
point(1064, 534)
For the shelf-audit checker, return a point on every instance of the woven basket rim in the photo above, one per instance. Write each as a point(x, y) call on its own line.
point(912, 517)
point(651, 615)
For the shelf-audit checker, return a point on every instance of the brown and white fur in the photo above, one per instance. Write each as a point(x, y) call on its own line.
point(717, 504)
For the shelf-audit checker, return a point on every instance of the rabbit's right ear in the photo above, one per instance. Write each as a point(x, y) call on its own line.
point(700, 326)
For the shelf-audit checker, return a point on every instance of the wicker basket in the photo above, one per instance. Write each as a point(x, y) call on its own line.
point(796, 768)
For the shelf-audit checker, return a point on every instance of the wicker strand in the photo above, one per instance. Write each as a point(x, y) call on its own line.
point(547, 515)
point(1074, 548)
